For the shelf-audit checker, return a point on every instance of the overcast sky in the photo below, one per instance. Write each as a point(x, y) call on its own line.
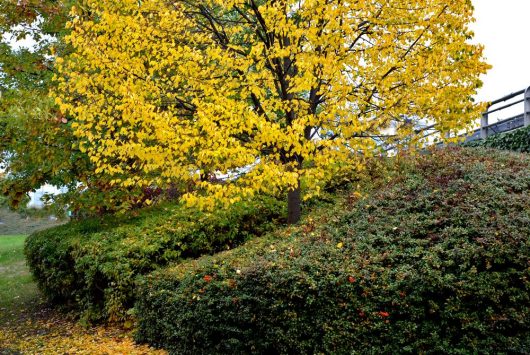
point(503, 27)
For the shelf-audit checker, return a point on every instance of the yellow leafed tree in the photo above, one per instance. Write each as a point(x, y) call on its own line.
point(229, 98)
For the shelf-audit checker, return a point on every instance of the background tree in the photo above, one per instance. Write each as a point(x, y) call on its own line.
point(273, 96)
point(37, 145)
point(35, 141)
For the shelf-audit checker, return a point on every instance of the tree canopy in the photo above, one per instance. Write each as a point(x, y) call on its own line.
point(228, 98)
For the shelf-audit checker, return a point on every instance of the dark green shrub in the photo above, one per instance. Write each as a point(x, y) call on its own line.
point(517, 141)
point(438, 261)
point(92, 264)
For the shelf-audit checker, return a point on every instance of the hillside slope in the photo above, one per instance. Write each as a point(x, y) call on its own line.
point(436, 261)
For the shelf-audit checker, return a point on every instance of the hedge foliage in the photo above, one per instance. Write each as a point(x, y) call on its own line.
point(437, 261)
point(91, 265)
point(517, 141)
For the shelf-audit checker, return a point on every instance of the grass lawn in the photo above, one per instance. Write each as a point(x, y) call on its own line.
point(17, 289)
point(29, 326)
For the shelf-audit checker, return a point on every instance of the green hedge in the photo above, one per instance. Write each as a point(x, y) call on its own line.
point(435, 262)
point(517, 141)
point(91, 265)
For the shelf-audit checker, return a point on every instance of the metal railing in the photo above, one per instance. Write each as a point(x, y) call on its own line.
point(505, 125)
point(486, 129)
point(509, 124)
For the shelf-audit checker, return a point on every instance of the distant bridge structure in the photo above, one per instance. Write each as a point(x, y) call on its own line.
point(502, 126)
point(509, 124)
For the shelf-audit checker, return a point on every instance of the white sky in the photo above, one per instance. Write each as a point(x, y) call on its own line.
point(502, 27)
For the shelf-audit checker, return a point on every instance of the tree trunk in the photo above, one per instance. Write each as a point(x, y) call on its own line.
point(294, 205)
